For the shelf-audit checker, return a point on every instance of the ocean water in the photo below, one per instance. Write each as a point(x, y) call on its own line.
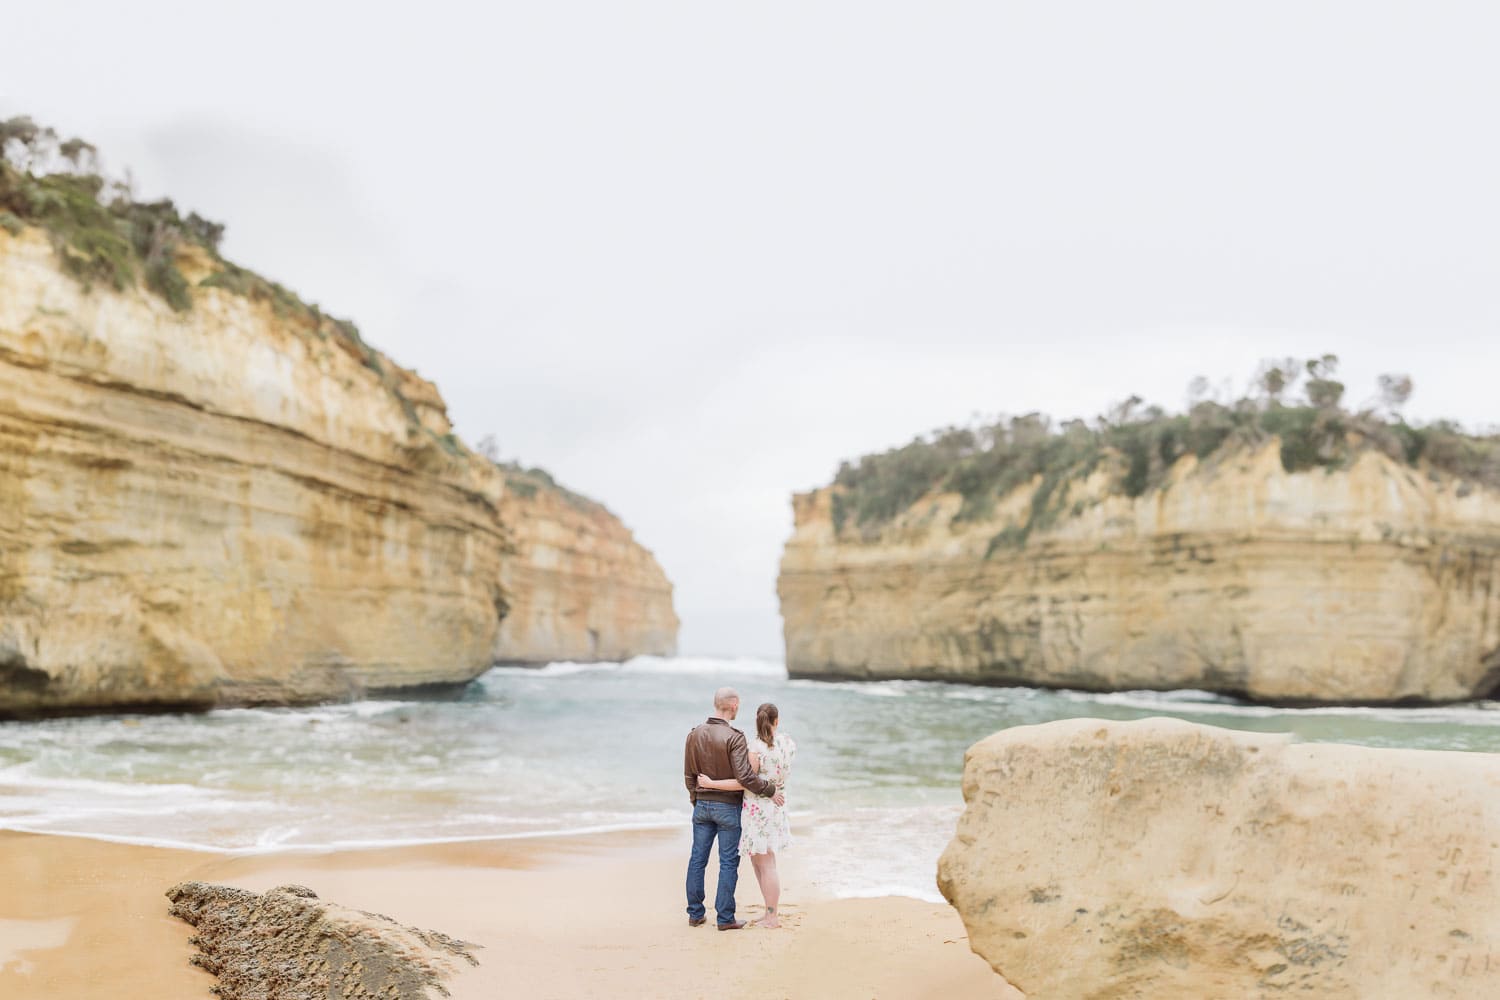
point(573, 748)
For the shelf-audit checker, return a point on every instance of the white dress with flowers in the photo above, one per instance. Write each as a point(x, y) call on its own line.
point(763, 824)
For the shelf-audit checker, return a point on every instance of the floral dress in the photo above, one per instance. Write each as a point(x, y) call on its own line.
point(763, 824)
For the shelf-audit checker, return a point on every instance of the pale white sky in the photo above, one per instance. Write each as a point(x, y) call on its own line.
point(688, 256)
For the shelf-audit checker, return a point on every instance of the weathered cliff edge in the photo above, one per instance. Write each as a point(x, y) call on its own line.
point(580, 586)
point(1373, 583)
point(1160, 859)
point(243, 503)
point(224, 505)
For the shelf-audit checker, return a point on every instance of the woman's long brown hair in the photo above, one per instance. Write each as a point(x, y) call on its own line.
point(765, 718)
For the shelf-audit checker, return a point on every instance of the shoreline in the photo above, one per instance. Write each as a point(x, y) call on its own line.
point(349, 846)
point(1237, 698)
point(556, 916)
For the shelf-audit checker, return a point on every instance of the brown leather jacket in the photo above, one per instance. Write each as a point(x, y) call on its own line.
point(718, 750)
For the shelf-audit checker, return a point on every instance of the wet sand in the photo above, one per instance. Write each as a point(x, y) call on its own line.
point(555, 917)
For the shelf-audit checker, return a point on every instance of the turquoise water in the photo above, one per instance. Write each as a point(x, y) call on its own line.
point(574, 747)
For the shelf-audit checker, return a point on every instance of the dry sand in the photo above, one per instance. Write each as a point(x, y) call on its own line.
point(564, 917)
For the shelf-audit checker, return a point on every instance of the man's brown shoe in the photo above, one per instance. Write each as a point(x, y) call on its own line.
point(696, 921)
point(732, 927)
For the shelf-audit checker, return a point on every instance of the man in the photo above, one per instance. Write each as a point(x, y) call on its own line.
point(718, 750)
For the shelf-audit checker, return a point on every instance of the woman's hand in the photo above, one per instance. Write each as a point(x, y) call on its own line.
point(704, 781)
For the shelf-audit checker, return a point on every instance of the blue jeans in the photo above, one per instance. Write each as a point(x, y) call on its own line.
point(710, 820)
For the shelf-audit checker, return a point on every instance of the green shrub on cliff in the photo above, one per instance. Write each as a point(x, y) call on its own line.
point(247, 284)
point(527, 483)
point(102, 234)
point(1137, 446)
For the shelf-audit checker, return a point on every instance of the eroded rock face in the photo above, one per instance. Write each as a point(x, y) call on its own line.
point(1375, 583)
point(289, 945)
point(234, 505)
point(1160, 859)
point(224, 505)
point(580, 586)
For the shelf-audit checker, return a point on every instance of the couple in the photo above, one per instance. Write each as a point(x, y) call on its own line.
point(736, 790)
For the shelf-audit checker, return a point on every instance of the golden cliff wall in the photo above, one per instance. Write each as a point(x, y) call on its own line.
point(224, 505)
point(1374, 583)
point(580, 586)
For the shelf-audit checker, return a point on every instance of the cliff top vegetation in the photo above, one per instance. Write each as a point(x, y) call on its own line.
point(103, 235)
point(526, 482)
point(1298, 402)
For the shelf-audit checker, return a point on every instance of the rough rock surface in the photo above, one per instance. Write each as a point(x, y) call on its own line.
point(224, 505)
point(1374, 583)
point(1160, 859)
point(289, 945)
point(237, 505)
point(580, 586)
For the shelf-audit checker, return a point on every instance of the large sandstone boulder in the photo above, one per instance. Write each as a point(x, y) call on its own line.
point(1161, 859)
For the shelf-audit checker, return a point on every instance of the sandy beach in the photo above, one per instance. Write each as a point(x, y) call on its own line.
point(559, 917)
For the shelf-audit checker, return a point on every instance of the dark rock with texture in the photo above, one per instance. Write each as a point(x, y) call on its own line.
point(287, 944)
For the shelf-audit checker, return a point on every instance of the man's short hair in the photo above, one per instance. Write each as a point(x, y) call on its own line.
point(724, 697)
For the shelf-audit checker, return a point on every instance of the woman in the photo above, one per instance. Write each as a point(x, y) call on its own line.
point(763, 824)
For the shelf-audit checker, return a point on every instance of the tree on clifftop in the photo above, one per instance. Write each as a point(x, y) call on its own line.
point(1138, 444)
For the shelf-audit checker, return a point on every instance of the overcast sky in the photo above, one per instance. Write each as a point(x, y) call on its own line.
point(688, 256)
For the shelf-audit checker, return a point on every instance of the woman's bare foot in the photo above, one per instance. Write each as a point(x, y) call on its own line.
point(769, 921)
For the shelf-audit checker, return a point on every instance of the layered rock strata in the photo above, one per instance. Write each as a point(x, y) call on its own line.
point(1160, 859)
point(244, 503)
point(580, 586)
point(287, 944)
point(224, 505)
point(1374, 583)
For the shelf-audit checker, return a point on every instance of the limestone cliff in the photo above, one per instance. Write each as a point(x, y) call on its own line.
point(1158, 859)
point(242, 502)
point(1375, 581)
point(580, 587)
point(224, 504)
